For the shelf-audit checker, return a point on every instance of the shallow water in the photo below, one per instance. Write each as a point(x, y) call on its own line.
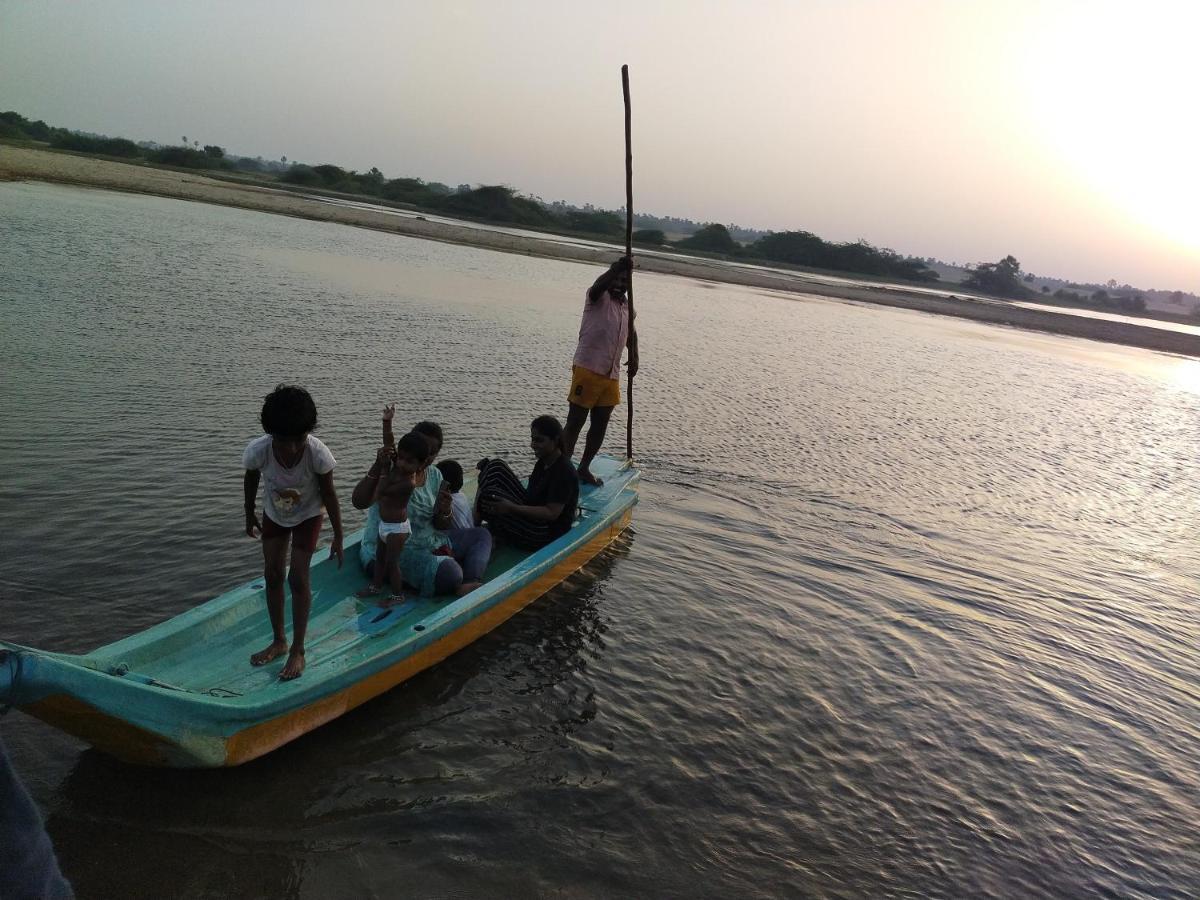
point(799, 278)
point(909, 603)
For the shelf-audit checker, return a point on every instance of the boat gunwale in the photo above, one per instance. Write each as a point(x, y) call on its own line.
point(442, 620)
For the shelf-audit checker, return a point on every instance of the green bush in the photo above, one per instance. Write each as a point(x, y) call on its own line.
point(407, 190)
point(802, 248)
point(330, 174)
point(188, 158)
point(1001, 278)
point(497, 203)
point(653, 237)
point(83, 143)
point(15, 125)
point(711, 239)
point(594, 221)
point(302, 175)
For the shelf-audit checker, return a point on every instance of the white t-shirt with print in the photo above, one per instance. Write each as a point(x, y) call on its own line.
point(289, 495)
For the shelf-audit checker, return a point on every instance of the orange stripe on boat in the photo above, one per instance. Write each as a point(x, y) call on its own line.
point(267, 736)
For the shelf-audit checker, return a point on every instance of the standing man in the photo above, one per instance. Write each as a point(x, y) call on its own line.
point(596, 371)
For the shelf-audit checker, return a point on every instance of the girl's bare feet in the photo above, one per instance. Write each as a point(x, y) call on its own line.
point(370, 590)
point(394, 600)
point(466, 587)
point(262, 657)
point(293, 667)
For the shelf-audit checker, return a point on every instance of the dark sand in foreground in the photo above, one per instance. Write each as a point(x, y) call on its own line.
point(27, 164)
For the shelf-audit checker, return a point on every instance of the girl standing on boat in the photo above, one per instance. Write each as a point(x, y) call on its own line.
point(596, 370)
point(532, 517)
point(297, 471)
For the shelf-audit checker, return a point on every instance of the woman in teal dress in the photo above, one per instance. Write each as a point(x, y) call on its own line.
point(428, 562)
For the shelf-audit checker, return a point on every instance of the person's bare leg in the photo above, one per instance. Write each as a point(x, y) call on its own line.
point(595, 439)
point(576, 416)
point(298, 579)
point(377, 572)
point(395, 543)
point(274, 564)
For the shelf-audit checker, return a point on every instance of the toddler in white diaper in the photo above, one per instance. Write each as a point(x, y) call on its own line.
point(392, 491)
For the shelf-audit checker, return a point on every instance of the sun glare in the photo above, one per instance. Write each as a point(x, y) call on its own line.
point(1112, 92)
point(1186, 376)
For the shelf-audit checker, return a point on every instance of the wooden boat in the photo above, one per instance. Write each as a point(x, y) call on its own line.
point(183, 693)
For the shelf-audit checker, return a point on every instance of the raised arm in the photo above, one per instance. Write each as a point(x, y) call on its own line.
point(620, 267)
point(389, 413)
point(363, 494)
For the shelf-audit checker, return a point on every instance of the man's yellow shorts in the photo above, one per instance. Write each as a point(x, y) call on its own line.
point(590, 390)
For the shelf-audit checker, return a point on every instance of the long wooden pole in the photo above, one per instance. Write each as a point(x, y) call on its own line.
point(628, 248)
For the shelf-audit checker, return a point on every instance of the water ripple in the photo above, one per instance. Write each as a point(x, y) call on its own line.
point(906, 609)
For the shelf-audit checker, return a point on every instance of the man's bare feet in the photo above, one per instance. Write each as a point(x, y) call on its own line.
point(293, 667)
point(587, 477)
point(276, 650)
point(466, 587)
point(370, 590)
point(394, 600)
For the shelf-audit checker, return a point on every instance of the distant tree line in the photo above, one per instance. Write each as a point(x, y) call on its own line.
point(491, 202)
point(801, 248)
point(16, 126)
point(687, 227)
point(1122, 297)
point(499, 203)
point(1101, 299)
point(502, 204)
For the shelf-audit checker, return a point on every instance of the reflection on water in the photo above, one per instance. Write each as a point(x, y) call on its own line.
point(1185, 375)
point(1113, 317)
point(442, 741)
point(908, 605)
point(800, 278)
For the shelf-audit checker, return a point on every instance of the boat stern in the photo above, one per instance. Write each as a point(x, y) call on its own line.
point(85, 703)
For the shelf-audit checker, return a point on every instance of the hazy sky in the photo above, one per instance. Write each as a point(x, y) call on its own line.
point(1065, 133)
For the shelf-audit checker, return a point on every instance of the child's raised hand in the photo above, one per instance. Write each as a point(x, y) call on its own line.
point(389, 412)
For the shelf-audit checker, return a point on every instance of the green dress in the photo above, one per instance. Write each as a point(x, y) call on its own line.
point(418, 560)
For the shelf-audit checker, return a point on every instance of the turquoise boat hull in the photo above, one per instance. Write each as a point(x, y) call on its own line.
point(183, 693)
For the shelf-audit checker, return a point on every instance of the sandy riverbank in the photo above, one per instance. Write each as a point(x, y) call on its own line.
point(26, 164)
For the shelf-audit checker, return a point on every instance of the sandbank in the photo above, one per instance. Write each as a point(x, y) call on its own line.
point(19, 163)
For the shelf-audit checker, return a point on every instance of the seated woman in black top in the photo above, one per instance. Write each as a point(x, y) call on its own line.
point(531, 517)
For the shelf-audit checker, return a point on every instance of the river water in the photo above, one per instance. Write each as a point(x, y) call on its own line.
point(909, 606)
point(799, 278)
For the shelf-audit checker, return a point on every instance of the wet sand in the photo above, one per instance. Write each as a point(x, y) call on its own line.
point(28, 164)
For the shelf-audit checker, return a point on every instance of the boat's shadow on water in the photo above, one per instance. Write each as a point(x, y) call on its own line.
point(371, 776)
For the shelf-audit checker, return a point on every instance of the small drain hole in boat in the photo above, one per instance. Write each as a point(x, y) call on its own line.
point(418, 628)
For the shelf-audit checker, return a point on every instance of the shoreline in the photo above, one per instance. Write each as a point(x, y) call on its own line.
point(28, 164)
